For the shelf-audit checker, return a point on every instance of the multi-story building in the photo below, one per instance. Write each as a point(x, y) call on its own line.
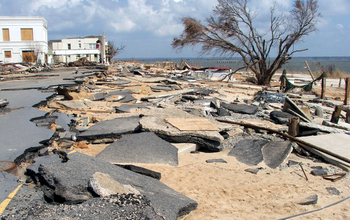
point(72, 49)
point(23, 39)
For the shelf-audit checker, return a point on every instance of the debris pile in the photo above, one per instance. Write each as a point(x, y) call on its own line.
point(90, 138)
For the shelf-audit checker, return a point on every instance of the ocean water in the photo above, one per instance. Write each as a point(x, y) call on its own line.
point(296, 64)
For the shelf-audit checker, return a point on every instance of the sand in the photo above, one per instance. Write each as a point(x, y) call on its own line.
point(226, 191)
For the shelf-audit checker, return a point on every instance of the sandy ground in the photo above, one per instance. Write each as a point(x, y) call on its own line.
point(226, 190)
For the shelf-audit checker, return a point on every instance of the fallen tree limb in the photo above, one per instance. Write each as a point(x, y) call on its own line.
point(289, 137)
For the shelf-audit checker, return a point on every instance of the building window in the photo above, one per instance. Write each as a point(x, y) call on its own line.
point(78, 56)
point(92, 46)
point(69, 46)
point(26, 34)
point(28, 56)
point(95, 55)
point(79, 45)
point(6, 34)
point(8, 54)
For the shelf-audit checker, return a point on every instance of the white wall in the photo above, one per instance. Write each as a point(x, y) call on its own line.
point(16, 45)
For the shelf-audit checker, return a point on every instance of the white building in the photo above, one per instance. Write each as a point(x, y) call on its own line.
point(72, 49)
point(23, 39)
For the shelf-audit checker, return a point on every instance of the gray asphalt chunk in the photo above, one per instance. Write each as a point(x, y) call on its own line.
point(249, 151)
point(97, 96)
point(216, 161)
point(280, 117)
point(18, 133)
point(311, 200)
point(276, 152)
point(76, 173)
point(28, 203)
point(240, 108)
point(125, 108)
point(112, 128)
point(333, 191)
point(126, 94)
point(143, 147)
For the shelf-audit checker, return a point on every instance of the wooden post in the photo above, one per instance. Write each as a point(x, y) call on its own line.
point(336, 114)
point(293, 127)
point(308, 68)
point(339, 82)
point(323, 91)
point(347, 119)
point(347, 91)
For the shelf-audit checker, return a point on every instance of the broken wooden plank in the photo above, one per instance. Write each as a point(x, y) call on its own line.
point(192, 124)
point(294, 107)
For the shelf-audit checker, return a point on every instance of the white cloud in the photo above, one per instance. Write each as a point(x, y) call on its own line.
point(340, 26)
point(123, 25)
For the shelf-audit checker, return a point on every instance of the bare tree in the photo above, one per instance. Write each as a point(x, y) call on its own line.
point(35, 51)
point(113, 50)
point(231, 31)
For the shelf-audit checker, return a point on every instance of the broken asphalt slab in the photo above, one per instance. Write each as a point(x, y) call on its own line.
point(249, 151)
point(73, 177)
point(28, 203)
point(111, 128)
point(240, 108)
point(124, 93)
point(145, 147)
point(254, 151)
point(276, 152)
point(24, 98)
point(18, 133)
point(126, 108)
point(211, 140)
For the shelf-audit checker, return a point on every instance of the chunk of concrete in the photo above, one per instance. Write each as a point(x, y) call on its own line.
point(76, 172)
point(185, 147)
point(104, 185)
point(210, 140)
point(143, 147)
point(335, 143)
point(249, 151)
point(276, 152)
point(111, 129)
point(240, 108)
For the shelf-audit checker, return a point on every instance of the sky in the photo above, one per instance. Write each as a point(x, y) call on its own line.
point(147, 27)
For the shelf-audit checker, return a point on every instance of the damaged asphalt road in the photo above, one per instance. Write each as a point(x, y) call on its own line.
point(49, 122)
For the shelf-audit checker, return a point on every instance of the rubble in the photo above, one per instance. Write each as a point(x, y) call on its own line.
point(90, 148)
